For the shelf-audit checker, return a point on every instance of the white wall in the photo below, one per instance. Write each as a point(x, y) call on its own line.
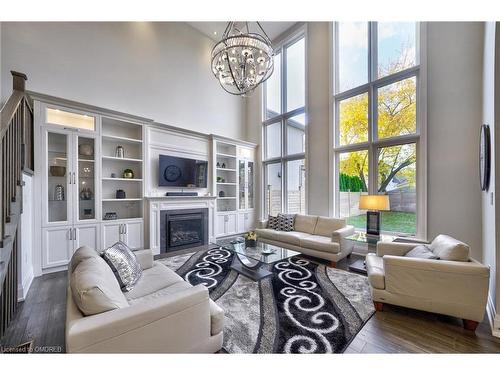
point(155, 70)
point(454, 104)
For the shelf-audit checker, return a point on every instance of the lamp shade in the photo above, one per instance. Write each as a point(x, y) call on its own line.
point(374, 202)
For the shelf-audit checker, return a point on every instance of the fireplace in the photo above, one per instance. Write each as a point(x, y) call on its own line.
point(182, 229)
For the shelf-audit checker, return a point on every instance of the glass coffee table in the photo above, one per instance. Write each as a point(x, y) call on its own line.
point(254, 262)
point(371, 246)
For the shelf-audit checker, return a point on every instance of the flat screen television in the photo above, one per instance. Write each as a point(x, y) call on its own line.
point(182, 172)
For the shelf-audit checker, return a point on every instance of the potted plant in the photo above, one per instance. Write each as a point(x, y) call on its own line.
point(250, 239)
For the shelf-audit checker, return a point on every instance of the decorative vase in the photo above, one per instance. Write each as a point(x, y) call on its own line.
point(57, 170)
point(59, 193)
point(222, 194)
point(119, 152)
point(250, 243)
point(86, 194)
point(120, 194)
point(128, 173)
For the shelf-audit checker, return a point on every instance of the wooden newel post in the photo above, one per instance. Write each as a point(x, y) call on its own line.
point(18, 81)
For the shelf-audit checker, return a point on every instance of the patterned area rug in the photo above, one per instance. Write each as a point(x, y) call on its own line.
point(304, 307)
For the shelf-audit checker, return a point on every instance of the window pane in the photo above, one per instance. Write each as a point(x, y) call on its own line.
point(295, 75)
point(353, 120)
point(396, 46)
point(397, 108)
point(397, 171)
point(273, 140)
point(352, 54)
point(353, 182)
point(296, 134)
point(296, 183)
point(273, 189)
point(273, 90)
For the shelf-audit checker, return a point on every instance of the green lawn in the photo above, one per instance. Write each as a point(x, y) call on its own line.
point(403, 222)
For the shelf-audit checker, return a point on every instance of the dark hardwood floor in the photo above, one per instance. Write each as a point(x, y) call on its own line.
point(41, 318)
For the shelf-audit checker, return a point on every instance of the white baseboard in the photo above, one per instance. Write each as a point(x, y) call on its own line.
point(24, 287)
point(493, 317)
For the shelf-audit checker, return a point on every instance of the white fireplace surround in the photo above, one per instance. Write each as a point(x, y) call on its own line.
point(162, 203)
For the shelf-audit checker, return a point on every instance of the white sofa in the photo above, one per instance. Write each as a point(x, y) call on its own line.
point(161, 314)
point(454, 285)
point(318, 236)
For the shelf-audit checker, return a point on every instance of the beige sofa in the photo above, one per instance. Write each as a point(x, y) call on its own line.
point(318, 236)
point(454, 285)
point(161, 314)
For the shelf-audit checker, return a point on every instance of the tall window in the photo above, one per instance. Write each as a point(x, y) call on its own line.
point(376, 126)
point(284, 132)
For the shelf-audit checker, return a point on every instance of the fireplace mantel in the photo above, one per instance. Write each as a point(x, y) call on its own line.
point(161, 203)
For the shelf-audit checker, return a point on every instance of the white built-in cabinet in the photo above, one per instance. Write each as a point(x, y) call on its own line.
point(233, 184)
point(80, 172)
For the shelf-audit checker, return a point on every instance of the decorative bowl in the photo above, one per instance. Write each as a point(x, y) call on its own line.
point(57, 170)
point(86, 149)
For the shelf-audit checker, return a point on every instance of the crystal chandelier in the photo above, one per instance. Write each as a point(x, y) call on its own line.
point(242, 60)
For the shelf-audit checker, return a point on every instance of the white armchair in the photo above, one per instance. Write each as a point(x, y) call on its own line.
point(450, 287)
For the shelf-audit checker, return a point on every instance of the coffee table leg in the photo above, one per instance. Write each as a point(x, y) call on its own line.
point(255, 273)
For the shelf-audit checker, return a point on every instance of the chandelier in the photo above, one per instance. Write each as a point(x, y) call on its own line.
point(242, 60)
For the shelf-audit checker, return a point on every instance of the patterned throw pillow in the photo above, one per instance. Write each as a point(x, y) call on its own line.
point(421, 251)
point(286, 222)
point(124, 264)
point(272, 222)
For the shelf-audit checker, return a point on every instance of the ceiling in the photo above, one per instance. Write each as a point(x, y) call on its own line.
point(272, 29)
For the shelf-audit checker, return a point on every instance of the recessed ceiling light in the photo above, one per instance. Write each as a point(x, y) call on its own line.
point(215, 32)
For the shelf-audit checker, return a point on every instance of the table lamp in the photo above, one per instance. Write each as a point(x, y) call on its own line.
point(373, 204)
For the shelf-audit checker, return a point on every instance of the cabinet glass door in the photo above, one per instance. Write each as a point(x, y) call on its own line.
point(241, 184)
point(86, 178)
point(58, 177)
point(250, 176)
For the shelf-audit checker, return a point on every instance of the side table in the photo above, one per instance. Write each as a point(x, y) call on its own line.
point(371, 244)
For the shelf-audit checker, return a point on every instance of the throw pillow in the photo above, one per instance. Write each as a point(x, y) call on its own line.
point(285, 222)
point(124, 264)
point(272, 222)
point(421, 251)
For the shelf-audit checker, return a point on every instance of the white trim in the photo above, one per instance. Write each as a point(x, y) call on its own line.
point(493, 317)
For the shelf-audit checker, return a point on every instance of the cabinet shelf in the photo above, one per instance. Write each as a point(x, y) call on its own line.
point(115, 138)
point(87, 160)
point(121, 179)
point(227, 183)
point(121, 159)
point(225, 198)
point(226, 169)
point(121, 200)
point(227, 156)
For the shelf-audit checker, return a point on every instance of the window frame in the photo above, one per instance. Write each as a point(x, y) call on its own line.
point(282, 118)
point(374, 144)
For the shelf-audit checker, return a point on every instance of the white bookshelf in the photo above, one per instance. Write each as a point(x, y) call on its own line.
point(129, 135)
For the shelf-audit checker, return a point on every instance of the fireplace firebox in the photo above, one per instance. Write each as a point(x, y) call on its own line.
point(181, 229)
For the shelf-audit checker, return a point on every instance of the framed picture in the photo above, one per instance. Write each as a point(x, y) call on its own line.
point(485, 157)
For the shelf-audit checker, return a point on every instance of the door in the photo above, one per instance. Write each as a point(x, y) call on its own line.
point(249, 185)
point(58, 178)
point(220, 227)
point(86, 235)
point(85, 179)
point(111, 234)
point(57, 246)
point(242, 183)
point(133, 235)
point(231, 224)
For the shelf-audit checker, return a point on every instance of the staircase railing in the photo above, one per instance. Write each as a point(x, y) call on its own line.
point(16, 156)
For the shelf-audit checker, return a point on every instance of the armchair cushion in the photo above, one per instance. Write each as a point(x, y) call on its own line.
point(272, 222)
point(124, 264)
point(80, 255)
point(292, 237)
point(449, 248)
point(94, 287)
point(325, 226)
point(421, 251)
point(320, 243)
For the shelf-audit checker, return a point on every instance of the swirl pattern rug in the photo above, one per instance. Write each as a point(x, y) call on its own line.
point(304, 307)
